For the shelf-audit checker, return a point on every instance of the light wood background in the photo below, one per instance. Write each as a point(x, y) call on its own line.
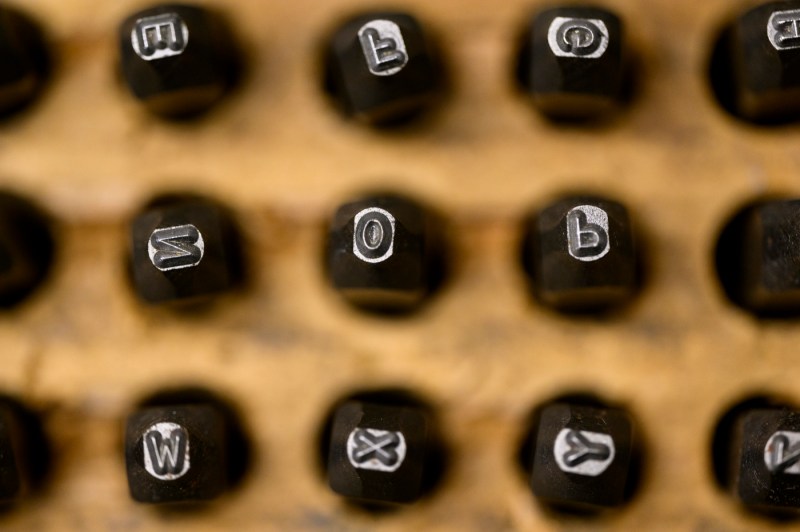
point(84, 350)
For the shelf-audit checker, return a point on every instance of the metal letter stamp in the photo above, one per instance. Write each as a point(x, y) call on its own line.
point(376, 450)
point(587, 233)
point(173, 248)
point(373, 235)
point(583, 452)
point(159, 36)
point(782, 453)
point(166, 451)
point(578, 37)
point(783, 29)
point(383, 47)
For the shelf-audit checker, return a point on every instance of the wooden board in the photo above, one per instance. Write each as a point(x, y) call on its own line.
point(85, 351)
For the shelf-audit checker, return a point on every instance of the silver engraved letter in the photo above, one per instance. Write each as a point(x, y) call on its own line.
point(578, 37)
point(587, 233)
point(159, 36)
point(782, 453)
point(373, 235)
point(783, 30)
point(166, 451)
point(378, 450)
point(583, 452)
point(172, 248)
point(383, 47)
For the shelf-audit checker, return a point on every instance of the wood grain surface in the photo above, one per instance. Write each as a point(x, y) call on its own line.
point(84, 350)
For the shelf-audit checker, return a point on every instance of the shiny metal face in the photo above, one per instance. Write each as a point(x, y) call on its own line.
point(783, 29)
point(373, 235)
point(383, 46)
point(578, 37)
point(587, 233)
point(376, 450)
point(159, 36)
point(583, 452)
point(166, 451)
point(782, 453)
point(174, 248)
